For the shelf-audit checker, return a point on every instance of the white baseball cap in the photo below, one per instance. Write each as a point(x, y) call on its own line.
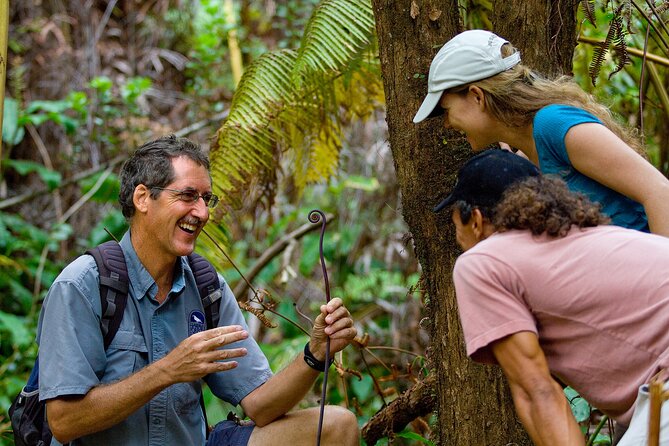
point(470, 56)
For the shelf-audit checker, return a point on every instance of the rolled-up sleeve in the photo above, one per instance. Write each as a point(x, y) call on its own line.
point(71, 352)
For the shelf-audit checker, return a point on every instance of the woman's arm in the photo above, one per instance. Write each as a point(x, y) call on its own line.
point(598, 153)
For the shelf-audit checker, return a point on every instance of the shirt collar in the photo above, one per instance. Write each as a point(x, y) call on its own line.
point(141, 282)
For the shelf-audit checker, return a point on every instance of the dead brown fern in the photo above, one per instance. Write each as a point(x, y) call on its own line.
point(662, 7)
point(619, 47)
point(615, 38)
point(588, 7)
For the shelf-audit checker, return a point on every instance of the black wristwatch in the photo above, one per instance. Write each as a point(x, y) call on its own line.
point(312, 361)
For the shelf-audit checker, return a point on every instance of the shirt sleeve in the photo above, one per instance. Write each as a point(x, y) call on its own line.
point(252, 370)
point(490, 302)
point(551, 125)
point(69, 336)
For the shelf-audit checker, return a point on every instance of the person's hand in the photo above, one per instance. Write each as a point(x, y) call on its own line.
point(505, 146)
point(202, 353)
point(334, 322)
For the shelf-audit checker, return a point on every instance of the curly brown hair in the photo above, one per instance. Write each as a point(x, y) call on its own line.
point(544, 204)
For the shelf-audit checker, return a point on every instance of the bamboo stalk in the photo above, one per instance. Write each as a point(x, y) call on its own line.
point(656, 397)
point(233, 42)
point(634, 51)
point(4, 33)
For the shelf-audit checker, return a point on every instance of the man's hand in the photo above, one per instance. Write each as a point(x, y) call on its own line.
point(106, 405)
point(334, 322)
point(202, 353)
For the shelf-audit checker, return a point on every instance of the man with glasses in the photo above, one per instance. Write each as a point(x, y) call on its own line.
point(145, 389)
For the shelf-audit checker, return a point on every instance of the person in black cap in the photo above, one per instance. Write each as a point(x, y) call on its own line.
point(546, 288)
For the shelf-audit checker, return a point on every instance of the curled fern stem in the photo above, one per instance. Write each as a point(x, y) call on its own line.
point(314, 217)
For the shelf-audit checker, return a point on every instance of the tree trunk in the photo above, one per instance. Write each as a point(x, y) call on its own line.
point(474, 404)
point(544, 31)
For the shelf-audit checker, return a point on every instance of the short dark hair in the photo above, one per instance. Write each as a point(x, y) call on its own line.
point(465, 210)
point(151, 165)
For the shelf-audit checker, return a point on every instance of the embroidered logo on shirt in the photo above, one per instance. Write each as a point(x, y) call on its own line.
point(196, 322)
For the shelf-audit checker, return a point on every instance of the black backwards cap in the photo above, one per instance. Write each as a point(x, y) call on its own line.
point(483, 179)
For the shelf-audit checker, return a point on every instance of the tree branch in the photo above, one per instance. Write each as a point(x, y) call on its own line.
point(417, 401)
point(242, 287)
point(18, 199)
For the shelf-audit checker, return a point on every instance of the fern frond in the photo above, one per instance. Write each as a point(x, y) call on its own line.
point(599, 54)
point(662, 7)
point(364, 78)
point(248, 137)
point(291, 103)
point(337, 31)
point(624, 11)
point(588, 7)
point(320, 158)
point(620, 46)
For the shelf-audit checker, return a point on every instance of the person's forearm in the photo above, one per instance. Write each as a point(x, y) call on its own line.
point(106, 405)
point(280, 393)
point(548, 419)
point(657, 210)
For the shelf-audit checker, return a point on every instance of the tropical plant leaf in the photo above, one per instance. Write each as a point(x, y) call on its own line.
point(338, 31)
point(291, 102)
point(247, 140)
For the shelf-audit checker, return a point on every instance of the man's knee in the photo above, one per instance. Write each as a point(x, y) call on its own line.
point(340, 425)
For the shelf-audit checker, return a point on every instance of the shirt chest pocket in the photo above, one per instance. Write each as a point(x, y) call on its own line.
point(185, 397)
point(126, 354)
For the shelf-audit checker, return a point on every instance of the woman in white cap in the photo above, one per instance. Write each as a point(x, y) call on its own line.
point(477, 82)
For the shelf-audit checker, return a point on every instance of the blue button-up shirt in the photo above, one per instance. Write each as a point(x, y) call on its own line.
point(73, 360)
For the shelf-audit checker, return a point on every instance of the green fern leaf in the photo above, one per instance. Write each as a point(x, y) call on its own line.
point(292, 102)
point(337, 31)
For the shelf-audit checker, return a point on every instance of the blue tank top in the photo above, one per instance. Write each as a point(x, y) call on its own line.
point(551, 125)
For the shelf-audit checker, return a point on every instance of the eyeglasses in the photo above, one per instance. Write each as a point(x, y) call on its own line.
point(191, 196)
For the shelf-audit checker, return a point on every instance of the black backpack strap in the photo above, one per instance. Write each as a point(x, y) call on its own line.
point(209, 289)
point(113, 287)
point(208, 286)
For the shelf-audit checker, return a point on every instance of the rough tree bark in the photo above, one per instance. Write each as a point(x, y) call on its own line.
point(474, 406)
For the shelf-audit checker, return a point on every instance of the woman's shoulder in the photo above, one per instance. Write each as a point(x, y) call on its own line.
point(564, 111)
point(561, 117)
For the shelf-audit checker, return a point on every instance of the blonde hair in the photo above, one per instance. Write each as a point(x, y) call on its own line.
point(514, 97)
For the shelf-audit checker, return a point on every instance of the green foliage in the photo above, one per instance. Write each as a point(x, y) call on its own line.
point(114, 222)
point(107, 192)
point(51, 178)
point(288, 99)
point(66, 113)
point(414, 436)
point(133, 88)
point(14, 330)
point(207, 49)
point(23, 244)
point(579, 407)
point(18, 351)
point(582, 412)
point(621, 92)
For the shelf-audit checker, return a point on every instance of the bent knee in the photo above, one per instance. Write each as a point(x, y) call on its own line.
point(340, 426)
